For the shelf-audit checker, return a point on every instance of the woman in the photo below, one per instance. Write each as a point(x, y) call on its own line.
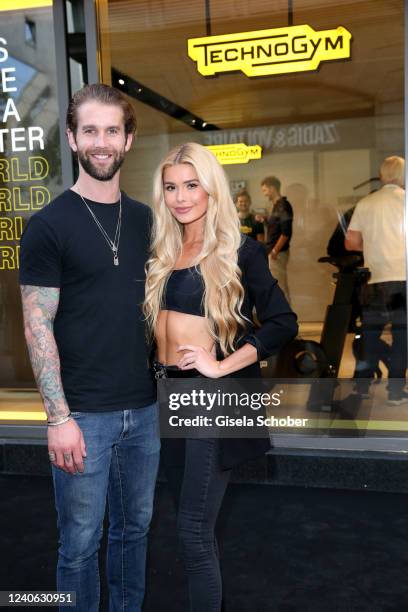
point(203, 281)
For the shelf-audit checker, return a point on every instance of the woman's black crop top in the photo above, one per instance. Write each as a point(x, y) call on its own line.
point(185, 289)
point(184, 292)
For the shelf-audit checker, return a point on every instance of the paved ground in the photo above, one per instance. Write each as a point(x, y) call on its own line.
point(284, 549)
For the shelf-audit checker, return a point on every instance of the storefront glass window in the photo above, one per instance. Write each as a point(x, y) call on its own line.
point(30, 167)
point(318, 102)
point(310, 93)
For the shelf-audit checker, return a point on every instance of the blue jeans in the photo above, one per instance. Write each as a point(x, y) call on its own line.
point(122, 460)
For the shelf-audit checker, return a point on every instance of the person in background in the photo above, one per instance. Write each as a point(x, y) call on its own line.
point(377, 228)
point(203, 281)
point(249, 225)
point(336, 247)
point(278, 231)
point(82, 283)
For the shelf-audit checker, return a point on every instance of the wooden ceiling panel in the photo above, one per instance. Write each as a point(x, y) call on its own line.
point(149, 43)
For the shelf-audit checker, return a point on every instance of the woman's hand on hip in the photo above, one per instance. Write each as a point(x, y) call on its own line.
point(198, 358)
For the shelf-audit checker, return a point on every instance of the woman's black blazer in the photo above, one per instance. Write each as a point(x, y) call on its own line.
point(276, 326)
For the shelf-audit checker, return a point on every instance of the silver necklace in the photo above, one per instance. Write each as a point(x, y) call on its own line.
point(113, 244)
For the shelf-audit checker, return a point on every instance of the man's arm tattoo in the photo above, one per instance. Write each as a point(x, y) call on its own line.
point(40, 305)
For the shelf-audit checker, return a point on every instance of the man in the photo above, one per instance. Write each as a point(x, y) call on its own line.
point(278, 231)
point(249, 225)
point(377, 229)
point(82, 283)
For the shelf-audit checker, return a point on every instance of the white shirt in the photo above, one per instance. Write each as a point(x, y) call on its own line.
point(380, 217)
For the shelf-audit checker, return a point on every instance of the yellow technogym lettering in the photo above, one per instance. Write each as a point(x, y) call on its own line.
point(237, 153)
point(268, 52)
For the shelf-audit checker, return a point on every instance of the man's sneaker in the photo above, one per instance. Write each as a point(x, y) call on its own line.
point(361, 394)
point(397, 399)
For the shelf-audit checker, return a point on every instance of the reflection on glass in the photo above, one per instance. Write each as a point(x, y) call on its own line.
point(324, 134)
point(377, 229)
point(30, 172)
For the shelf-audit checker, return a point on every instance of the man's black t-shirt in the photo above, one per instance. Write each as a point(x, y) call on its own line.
point(99, 326)
point(250, 227)
point(280, 222)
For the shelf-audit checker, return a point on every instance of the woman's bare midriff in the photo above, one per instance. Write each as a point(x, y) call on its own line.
point(177, 328)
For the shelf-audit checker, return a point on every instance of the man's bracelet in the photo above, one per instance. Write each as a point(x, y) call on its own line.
point(62, 420)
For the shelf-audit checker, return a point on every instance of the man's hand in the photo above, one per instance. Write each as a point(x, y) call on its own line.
point(67, 443)
point(354, 240)
point(260, 218)
point(66, 446)
point(278, 246)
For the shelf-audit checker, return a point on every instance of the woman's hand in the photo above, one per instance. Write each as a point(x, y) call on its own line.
point(198, 358)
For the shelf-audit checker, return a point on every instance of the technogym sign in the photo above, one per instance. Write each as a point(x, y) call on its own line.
point(268, 52)
point(235, 153)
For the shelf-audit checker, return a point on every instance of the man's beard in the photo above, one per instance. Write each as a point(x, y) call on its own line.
point(101, 174)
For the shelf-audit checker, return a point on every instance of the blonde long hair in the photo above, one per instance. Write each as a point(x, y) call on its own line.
point(218, 259)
